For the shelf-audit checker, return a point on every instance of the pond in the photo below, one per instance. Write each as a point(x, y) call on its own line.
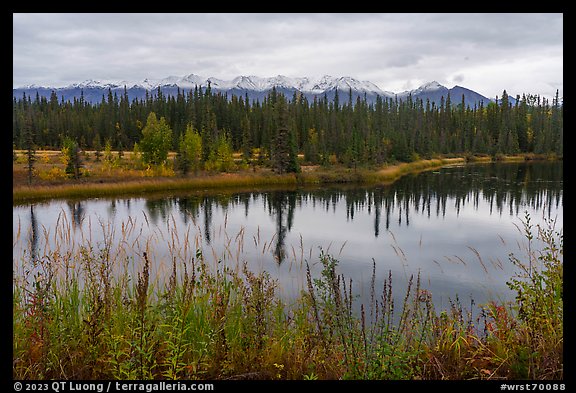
point(453, 227)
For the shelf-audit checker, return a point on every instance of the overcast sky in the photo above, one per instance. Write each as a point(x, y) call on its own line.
point(522, 53)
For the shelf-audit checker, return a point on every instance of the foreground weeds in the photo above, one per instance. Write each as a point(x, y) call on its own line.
point(83, 314)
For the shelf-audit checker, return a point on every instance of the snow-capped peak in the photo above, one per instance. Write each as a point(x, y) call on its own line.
point(33, 86)
point(88, 83)
point(191, 80)
point(145, 84)
point(425, 88)
point(244, 82)
point(431, 86)
point(346, 82)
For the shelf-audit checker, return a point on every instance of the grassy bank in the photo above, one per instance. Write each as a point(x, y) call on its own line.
point(24, 194)
point(123, 182)
point(94, 312)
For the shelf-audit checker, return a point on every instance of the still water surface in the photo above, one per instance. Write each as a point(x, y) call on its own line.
point(455, 227)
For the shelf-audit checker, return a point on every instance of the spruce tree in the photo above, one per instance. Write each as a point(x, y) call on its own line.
point(71, 153)
point(557, 126)
point(97, 146)
point(246, 139)
point(284, 155)
point(29, 145)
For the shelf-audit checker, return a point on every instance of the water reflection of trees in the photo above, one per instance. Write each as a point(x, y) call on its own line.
point(33, 234)
point(506, 189)
point(281, 205)
point(77, 212)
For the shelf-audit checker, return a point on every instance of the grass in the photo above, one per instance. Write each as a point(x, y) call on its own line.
point(100, 311)
point(25, 194)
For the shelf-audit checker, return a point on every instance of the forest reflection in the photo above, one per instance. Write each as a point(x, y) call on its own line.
point(506, 189)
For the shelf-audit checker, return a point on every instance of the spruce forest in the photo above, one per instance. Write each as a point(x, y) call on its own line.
point(273, 132)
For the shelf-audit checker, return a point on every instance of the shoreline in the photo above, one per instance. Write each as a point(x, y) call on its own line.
point(22, 194)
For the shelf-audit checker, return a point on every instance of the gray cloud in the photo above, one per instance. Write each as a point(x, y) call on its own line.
point(516, 52)
point(458, 78)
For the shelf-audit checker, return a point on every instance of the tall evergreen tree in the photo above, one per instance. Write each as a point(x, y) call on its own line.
point(71, 153)
point(246, 139)
point(557, 126)
point(284, 155)
point(29, 145)
point(507, 137)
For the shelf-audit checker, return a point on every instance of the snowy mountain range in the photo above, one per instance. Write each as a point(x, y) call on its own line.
point(256, 88)
point(251, 83)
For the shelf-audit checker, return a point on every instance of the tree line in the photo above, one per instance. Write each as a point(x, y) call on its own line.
point(202, 125)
